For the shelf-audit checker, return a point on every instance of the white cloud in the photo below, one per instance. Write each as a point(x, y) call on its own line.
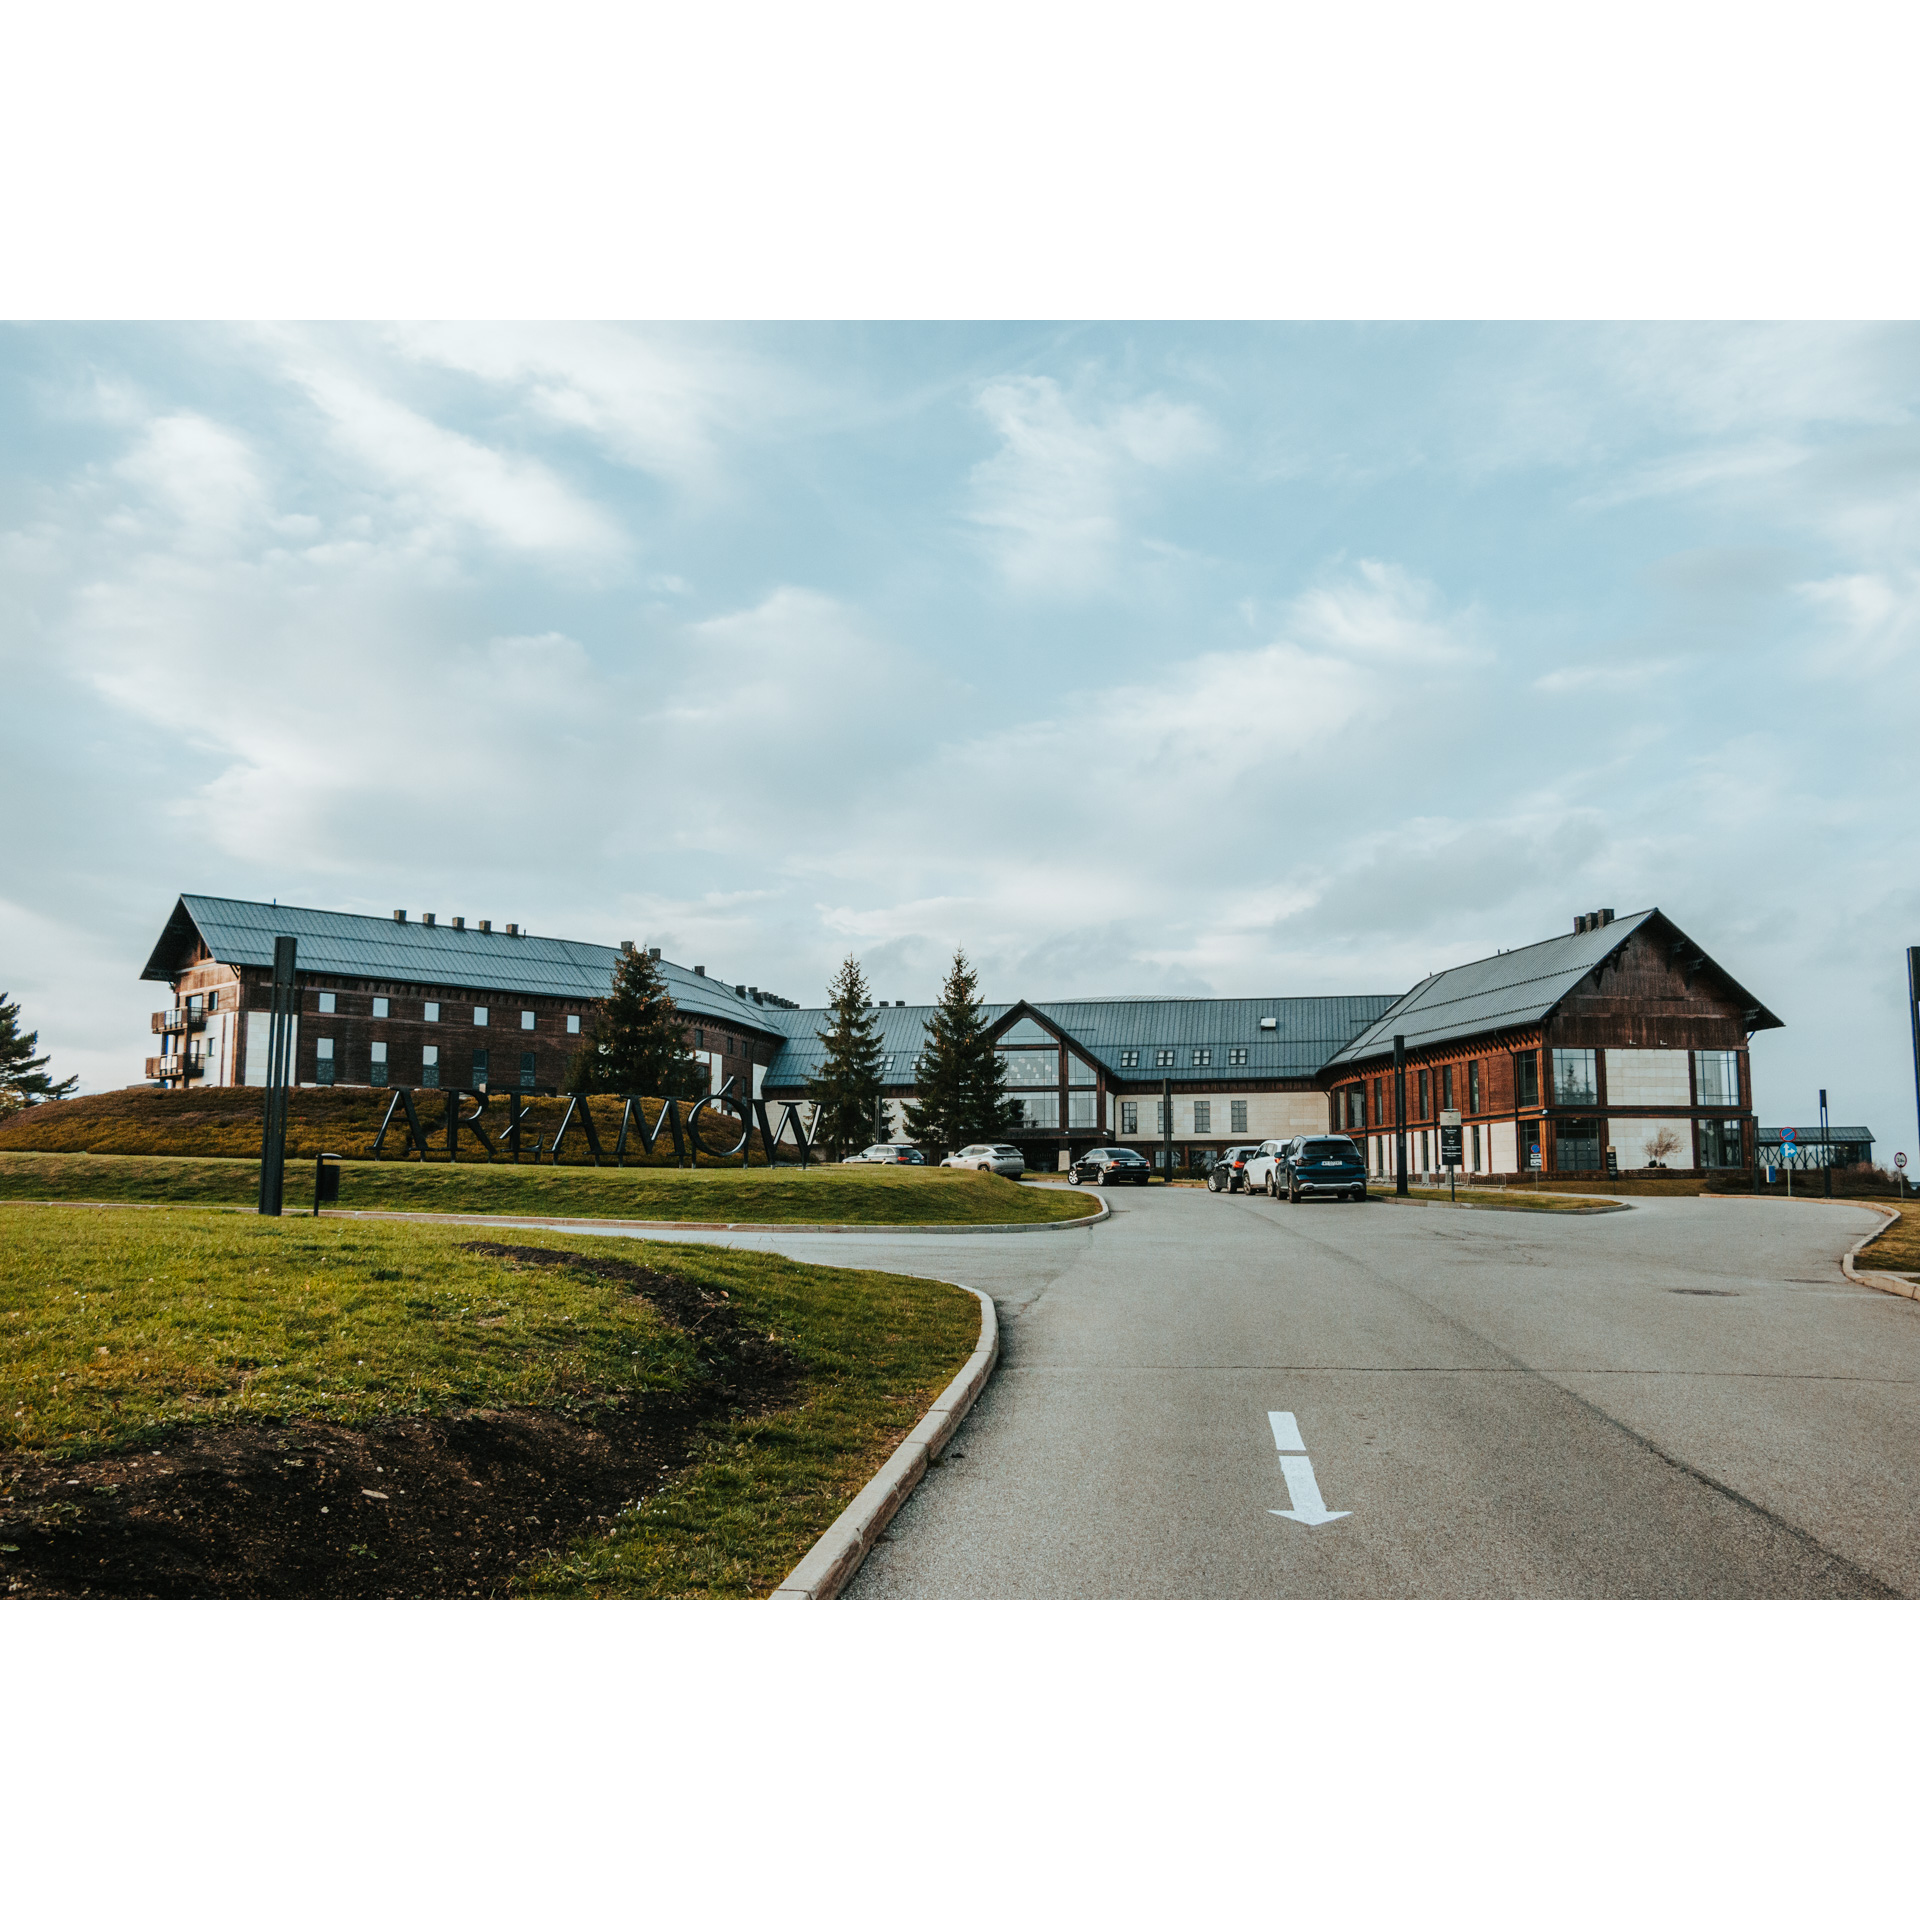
point(1053, 501)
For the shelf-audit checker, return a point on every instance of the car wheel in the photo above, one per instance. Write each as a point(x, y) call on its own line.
point(1073, 1176)
point(1293, 1194)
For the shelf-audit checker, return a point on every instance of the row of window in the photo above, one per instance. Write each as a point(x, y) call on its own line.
point(1202, 1116)
point(1575, 1083)
point(430, 1010)
point(1196, 1056)
point(478, 1075)
point(1576, 1147)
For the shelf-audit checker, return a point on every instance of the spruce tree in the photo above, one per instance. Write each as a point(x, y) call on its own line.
point(846, 1090)
point(636, 1042)
point(940, 1121)
point(23, 1079)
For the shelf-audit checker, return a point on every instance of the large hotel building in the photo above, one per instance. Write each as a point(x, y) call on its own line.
point(1622, 1035)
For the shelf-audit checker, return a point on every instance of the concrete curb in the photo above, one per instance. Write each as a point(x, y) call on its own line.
point(563, 1221)
point(837, 1554)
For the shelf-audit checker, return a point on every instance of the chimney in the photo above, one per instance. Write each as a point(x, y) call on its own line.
point(626, 947)
point(899, 1003)
point(653, 953)
point(426, 919)
point(400, 914)
point(513, 927)
point(460, 921)
point(1606, 916)
point(486, 926)
point(701, 971)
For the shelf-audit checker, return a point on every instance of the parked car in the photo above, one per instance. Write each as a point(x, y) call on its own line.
point(1228, 1174)
point(1266, 1170)
point(1108, 1166)
point(1326, 1163)
point(995, 1158)
point(890, 1155)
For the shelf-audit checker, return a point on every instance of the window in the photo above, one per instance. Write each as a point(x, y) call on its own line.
point(1473, 1135)
point(1425, 1089)
point(1716, 1083)
point(700, 1037)
point(1163, 1057)
point(430, 1011)
point(1025, 1033)
point(1720, 1142)
point(1577, 1146)
point(1203, 1116)
point(1040, 1109)
point(526, 1020)
point(1129, 1116)
point(1426, 1152)
point(1237, 1115)
point(1203, 1056)
point(323, 1062)
point(1446, 1087)
point(1236, 1056)
point(479, 1016)
point(1473, 1087)
point(1083, 1109)
point(1079, 1072)
point(1032, 1066)
point(193, 1003)
point(378, 1076)
point(1129, 1056)
point(213, 1001)
point(326, 1003)
point(1379, 1100)
point(479, 1069)
point(1526, 1080)
point(526, 1069)
point(1529, 1145)
point(429, 1066)
point(1160, 1116)
point(1573, 1080)
point(380, 1007)
point(573, 1023)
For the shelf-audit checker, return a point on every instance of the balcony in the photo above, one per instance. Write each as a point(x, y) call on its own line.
point(179, 1020)
point(174, 1066)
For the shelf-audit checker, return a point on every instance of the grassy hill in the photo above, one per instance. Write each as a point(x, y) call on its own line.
point(224, 1122)
point(820, 1196)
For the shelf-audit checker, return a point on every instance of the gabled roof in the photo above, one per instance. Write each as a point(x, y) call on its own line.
point(1516, 989)
point(241, 933)
point(1307, 1031)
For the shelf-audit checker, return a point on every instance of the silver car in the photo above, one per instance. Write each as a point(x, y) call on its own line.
point(995, 1158)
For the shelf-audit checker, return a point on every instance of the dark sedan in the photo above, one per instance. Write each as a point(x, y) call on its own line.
point(1108, 1166)
point(1326, 1163)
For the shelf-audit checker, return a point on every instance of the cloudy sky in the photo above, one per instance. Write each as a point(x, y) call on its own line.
point(1134, 658)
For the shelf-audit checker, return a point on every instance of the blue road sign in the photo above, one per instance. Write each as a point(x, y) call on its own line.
point(1788, 1135)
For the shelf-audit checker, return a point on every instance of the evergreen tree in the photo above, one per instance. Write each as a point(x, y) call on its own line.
point(23, 1079)
point(961, 1078)
point(846, 1090)
point(636, 1042)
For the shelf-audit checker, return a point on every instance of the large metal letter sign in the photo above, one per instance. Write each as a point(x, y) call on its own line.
point(273, 1138)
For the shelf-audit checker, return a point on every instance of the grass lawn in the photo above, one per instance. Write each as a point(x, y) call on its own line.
point(820, 1196)
point(1510, 1200)
point(1898, 1249)
point(125, 1336)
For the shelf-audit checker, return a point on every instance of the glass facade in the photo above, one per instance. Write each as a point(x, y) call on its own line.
point(1716, 1082)
point(1526, 1079)
point(1080, 1072)
point(1720, 1143)
point(1083, 1109)
point(1577, 1146)
point(1025, 1033)
point(1529, 1145)
point(1574, 1082)
point(1033, 1067)
point(1039, 1109)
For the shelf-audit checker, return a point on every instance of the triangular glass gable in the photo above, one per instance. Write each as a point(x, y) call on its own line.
point(1026, 1033)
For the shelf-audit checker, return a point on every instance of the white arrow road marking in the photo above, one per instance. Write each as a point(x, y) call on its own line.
point(1302, 1488)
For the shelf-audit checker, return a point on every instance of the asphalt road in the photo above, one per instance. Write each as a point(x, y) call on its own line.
point(1686, 1399)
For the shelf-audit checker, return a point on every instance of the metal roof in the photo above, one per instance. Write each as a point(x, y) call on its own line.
point(1770, 1136)
point(1513, 989)
point(1306, 1034)
point(241, 933)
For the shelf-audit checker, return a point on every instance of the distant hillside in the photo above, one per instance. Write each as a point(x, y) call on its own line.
point(224, 1122)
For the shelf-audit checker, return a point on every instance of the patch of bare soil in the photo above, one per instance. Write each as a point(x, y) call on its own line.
point(443, 1508)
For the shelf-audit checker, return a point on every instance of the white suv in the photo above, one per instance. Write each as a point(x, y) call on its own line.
point(1266, 1169)
point(998, 1158)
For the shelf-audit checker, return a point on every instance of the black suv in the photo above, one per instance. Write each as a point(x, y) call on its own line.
point(1326, 1163)
point(1228, 1174)
point(1107, 1166)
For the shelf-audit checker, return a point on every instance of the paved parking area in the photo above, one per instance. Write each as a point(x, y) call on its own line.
point(1682, 1399)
